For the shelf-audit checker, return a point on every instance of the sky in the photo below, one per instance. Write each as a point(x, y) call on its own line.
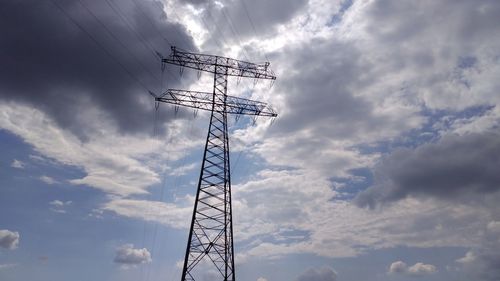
point(381, 165)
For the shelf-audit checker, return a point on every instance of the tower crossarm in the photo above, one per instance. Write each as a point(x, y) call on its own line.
point(205, 101)
point(211, 63)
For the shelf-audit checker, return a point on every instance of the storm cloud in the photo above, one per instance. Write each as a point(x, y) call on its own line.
point(454, 168)
point(65, 57)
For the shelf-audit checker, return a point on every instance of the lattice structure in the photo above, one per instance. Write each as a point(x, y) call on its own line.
point(204, 100)
point(210, 244)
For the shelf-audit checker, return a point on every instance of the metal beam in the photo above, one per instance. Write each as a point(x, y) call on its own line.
point(204, 101)
point(209, 63)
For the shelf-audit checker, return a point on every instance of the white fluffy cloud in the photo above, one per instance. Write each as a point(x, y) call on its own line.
point(115, 164)
point(173, 215)
point(398, 267)
point(308, 218)
point(128, 255)
point(418, 269)
point(9, 239)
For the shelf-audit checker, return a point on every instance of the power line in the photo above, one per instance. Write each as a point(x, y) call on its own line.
point(180, 35)
point(99, 45)
point(151, 22)
point(117, 39)
point(147, 43)
point(251, 23)
point(215, 39)
point(120, 14)
point(217, 28)
point(235, 33)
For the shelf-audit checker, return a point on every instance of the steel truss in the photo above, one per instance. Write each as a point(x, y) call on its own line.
point(210, 243)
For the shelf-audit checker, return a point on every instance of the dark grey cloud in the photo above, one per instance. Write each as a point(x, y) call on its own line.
point(51, 64)
point(454, 168)
point(466, 21)
point(426, 37)
point(318, 274)
point(320, 87)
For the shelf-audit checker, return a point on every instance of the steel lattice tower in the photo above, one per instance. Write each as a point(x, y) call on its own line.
point(210, 243)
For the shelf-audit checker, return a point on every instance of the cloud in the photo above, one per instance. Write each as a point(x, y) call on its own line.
point(113, 163)
point(17, 164)
point(69, 72)
point(413, 47)
point(173, 215)
point(398, 267)
point(183, 170)
point(128, 255)
point(292, 212)
point(265, 16)
point(331, 81)
point(493, 227)
point(318, 274)
point(9, 239)
point(481, 262)
point(367, 91)
point(47, 180)
point(59, 206)
point(418, 269)
point(468, 258)
point(454, 168)
point(344, 96)
point(228, 25)
point(290, 218)
point(261, 279)
point(7, 266)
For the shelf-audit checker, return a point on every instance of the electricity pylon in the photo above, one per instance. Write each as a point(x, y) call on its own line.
point(210, 243)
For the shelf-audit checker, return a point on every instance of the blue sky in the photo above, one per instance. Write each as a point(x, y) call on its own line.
point(381, 165)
